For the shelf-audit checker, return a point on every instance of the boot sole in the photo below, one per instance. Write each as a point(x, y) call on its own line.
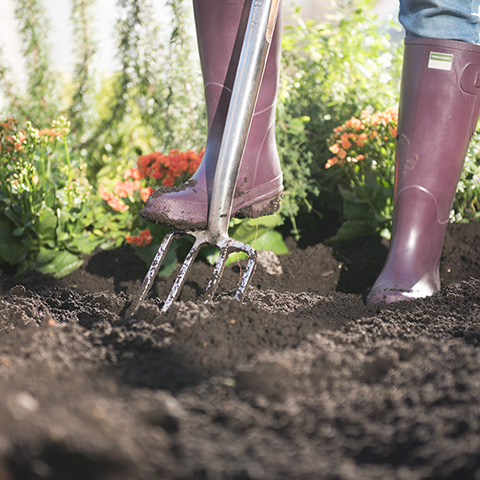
point(267, 206)
point(260, 209)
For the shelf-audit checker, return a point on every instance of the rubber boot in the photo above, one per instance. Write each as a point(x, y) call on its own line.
point(439, 107)
point(259, 186)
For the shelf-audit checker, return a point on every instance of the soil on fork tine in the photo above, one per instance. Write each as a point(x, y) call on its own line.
point(301, 380)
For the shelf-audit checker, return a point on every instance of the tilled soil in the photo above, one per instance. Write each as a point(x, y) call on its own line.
point(300, 381)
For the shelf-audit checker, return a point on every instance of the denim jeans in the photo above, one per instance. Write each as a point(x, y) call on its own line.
point(447, 19)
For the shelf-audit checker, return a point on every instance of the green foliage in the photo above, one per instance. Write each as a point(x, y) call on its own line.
point(81, 111)
point(155, 101)
point(45, 203)
point(40, 100)
point(364, 150)
point(466, 206)
point(332, 70)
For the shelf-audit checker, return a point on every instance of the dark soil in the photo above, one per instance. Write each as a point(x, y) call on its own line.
point(300, 381)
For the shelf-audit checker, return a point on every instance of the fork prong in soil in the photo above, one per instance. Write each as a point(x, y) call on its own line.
point(152, 273)
point(226, 246)
point(229, 246)
point(182, 274)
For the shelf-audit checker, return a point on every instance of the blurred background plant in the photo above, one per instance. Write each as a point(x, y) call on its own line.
point(466, 206)
point(364, 155)
point(46, 211)
point(364, 152)
point(332, 71)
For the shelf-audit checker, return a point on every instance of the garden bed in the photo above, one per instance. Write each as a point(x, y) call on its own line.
point(302, 380)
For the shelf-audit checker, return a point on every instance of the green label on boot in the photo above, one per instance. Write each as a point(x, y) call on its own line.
point(440, 61)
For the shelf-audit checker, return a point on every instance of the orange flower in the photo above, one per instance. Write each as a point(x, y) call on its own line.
point(113, 202)
point(377, 128)
point(132, 173)
point(354, 123)
point(346, 144)
point(10, 124)
point(127, 188)
point(141, 240)
point(169, 180)
point(50, 132)
point(335, 148)
point(104, 194)
point(168, 167)
point(118, 205)
point(331, 162)
point(360, 141)
point(145, 193)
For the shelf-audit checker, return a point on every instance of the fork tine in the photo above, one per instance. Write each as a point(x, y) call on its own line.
point(151, 274)
point(217, 274)
point(182, 274)
point(247, 275)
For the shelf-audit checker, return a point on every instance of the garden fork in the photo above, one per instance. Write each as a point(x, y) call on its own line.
point(251, 65)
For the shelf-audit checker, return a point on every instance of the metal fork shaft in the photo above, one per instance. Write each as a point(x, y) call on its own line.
point(248, 78)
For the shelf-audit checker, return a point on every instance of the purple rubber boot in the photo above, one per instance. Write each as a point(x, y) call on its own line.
point(259, 186)
point(439, 107)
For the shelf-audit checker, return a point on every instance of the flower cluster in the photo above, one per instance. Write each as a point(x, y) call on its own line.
point(10, 139)
point(359, 138)
point(129, 194)
point(112, 200)
point(166, 169)
point(53, 133)
point(13, 139)
point(141, 240)
point(169, 167)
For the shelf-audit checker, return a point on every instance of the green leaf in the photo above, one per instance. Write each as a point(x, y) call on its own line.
point(270, 221)
point(236, 257)
point(272, 241)
point(12, 250)
point(47, 222)
point(247, 233)
point(358, 210)
point(352, 229)
point(58, 263)
point(14, 216)
point(348, 194)
point(85, 243)
point(61, 231)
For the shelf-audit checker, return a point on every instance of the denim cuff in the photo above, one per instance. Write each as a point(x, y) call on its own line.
point(442, 19)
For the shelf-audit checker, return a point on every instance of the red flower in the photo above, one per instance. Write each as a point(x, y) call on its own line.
point(141, 240)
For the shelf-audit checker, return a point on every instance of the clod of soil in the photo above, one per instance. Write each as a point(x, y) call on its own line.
point(300, 381)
